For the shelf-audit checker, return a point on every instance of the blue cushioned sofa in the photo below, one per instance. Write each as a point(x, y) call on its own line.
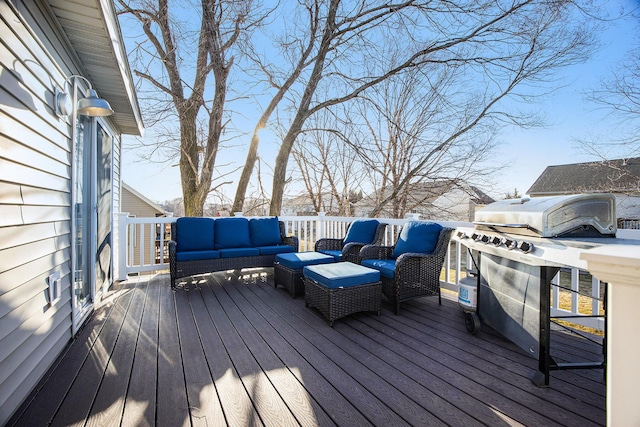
point(202, 245)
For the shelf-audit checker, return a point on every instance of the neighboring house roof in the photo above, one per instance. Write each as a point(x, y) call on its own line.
point(612, 176)
point(427, 192)
point(141, 198)
point(303, 202)
point(93, 31)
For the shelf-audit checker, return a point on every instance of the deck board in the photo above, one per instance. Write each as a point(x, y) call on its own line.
point(231, 349)
point(234, 399)
point(172, 406)
point(140, 401)
point(108, 406)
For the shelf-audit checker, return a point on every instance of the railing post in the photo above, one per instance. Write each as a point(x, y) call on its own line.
point(121, 246)
point(320, 225)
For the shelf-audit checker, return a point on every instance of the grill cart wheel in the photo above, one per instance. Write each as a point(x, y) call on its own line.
point(472, 322)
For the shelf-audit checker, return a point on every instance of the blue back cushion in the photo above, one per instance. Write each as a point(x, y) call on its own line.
point(417, 237)
point(361, 231)
point(265, 231)
point(194, 234)
point(232, 233)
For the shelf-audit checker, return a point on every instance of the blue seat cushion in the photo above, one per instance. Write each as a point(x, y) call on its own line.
point(265, 231)
point(237, 252)
point(297, 260)
point(279, 249)
point(194, 234)
point(196, 255)
point(386, 267)
point(417, 237)
point(361, 231)
point(341, 274)
point(232, 233)
point(337, 255)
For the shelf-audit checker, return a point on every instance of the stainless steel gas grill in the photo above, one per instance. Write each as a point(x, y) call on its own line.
point(520, 245)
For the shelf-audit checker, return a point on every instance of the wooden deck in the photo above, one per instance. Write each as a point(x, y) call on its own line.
point(232, 350)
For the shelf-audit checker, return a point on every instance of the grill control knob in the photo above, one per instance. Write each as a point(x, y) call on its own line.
point(525, 247)
point(476, 236)
point(511, 244)
point(497, 241)
point(485, 239)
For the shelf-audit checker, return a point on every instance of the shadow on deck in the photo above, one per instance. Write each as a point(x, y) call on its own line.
point(229, 349)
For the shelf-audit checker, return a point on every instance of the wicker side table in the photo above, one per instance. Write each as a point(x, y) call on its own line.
point(338, 290)
point(287, 269)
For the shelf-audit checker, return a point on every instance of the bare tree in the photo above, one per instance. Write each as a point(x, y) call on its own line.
point(176, 58)
point(403, 123)
point(328, 167)
point(497, 47)
point(282, 83)
point(619, 98)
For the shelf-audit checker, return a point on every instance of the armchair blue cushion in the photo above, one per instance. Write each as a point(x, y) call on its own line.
point(417, 237)
point(232, 233)
point(194, 234)
point(265, 231)
point(337, 255)
point(361, 231)
point(386, 267)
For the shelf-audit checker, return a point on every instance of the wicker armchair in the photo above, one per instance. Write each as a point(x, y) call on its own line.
point(410, 275)
point(350, 251)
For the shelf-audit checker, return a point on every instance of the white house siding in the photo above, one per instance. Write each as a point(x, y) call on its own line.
point(35, 199)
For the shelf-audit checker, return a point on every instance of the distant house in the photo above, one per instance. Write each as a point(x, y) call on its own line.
point(303, 205)
point(620, 177)
point(443, 200)
point(137, 205)
point(59, 177)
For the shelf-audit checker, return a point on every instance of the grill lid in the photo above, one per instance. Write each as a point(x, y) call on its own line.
point(578, 215)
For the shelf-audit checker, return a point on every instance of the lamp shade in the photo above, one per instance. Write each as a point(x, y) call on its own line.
point(94, 106)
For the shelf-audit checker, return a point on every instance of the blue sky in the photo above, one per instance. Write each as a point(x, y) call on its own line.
point(526, 152)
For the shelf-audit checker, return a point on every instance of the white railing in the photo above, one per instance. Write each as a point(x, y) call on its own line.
point(141, 245)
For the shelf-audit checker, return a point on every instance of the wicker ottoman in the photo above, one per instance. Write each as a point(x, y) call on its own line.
point(287, 269)
point(343, 288)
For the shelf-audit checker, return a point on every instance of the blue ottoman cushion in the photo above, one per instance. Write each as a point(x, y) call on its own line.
point(341, 275)
point(386, 267)
point(297, 260)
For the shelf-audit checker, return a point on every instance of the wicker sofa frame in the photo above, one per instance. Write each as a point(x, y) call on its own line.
point(415, 274)
point(182, 269)
point(350, 251)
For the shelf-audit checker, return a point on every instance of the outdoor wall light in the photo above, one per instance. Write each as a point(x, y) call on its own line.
point(91, 105)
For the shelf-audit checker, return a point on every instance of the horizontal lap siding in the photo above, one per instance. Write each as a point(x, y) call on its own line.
point(35, 201)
